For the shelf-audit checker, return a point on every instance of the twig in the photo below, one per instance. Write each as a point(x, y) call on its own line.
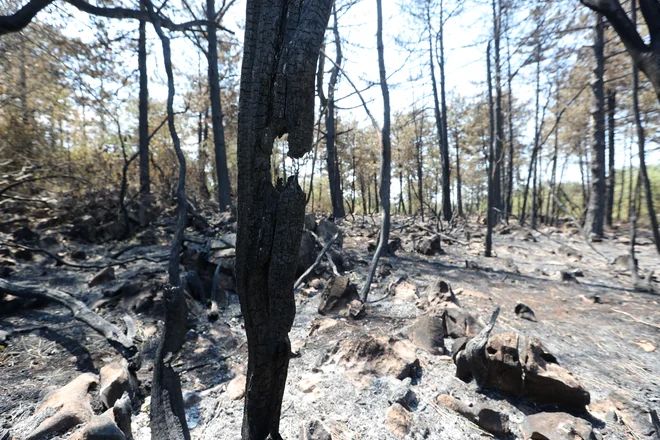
point(637, 319)
point(316, 263)
point(332, 265)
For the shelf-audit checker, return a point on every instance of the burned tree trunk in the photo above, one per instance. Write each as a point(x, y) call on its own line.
point(168, 417)
point(386, 157)
point(281, 49)
point(611, 108)
point(490, 213)
point(143, 124)
point(328, 103)
point(224, 190)
point(596, 209)
point(641, 140)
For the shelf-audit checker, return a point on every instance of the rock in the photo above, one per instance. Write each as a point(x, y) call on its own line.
point(460, 323)
point(307, 253)
point(326, 230)
point(25, 234)
point(341, 297)
point(403, 395)
point(621, 262)
point(148, 238)
point(398, 420)
point(78, 255)
point(364, 357)
point(528, 236)
point(236, 387)
point(314, 430)
point(70, 406)
point(429, 332)
point(525, 312)
point(115, 381)
point(4, 335)
point(568, 251)
point(488, 419)
point(634, 415)
point(308, 383)
point(438, 293)
point(556, 426)
point(84, 229)
point(523, 367)
point(101, 427)
point(105, 276)
point(191, 399)
point(316, 283)
point(428, 245)
point(122, 415)
point(310, 222)
point(405, 291)
point(394, 245)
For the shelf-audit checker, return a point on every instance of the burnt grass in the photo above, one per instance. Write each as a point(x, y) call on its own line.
point(596, 325)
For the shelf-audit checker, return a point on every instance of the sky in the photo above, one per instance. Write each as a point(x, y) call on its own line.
point(466, 36)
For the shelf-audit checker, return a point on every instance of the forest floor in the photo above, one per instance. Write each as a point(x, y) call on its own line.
point(595, 324)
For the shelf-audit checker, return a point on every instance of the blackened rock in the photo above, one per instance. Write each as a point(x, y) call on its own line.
point(25, 234)
point(525, 312)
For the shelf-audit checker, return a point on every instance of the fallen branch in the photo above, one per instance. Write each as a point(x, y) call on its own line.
point(80, 311)
point(443, 236)
point(637, 319)
point(34, 179)
point(317, 262)
point(60, 260)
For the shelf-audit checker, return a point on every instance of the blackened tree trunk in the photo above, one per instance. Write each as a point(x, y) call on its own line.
point(596, 208)
point(508, 208)
point(281, 49)
point(202, 153)
point(168, 417)
point(499, 114)
point(611, 173)
point(490, 214)
point(459, 186)
point(442, 138)
point(143, 124)
point(219, 146)
point(646, 56)
point(641, 140)
point(376, 190)
point(420, 162)
point(334, 176)
point(385, 159)
point(446, 166)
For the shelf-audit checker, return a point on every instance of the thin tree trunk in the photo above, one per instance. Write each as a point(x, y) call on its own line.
point(168, 417)
point(509, 189)
point(641, 139)
point(336, 196)
point(219, 146)
point(386, 157)
point(596, 209)
point(281, 47)
point(377, 204)
point(499, 114)
point(446, 201)
point(459, 186)
point(143, 124)
point(446, 166)
point(611, 177)
point(490, 214)
point(532, 162)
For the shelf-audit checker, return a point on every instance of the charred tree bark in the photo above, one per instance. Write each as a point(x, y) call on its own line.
point(499, 114)
point(168, 417)
point(219, 146)
point(442, 138)
point(420, 163)
point(334, 177)
point(386, 157)
point(490, 214)
point(641, 141)
point(143, 124)
point(646, 57)
point(508, 208)
point(611, 173)
point(459, 188)
point(596, 210)
point(281, 49)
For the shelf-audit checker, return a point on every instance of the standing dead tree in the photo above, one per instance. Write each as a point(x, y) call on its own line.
point(168, 418)
point(281, 49)
point(386, 158)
